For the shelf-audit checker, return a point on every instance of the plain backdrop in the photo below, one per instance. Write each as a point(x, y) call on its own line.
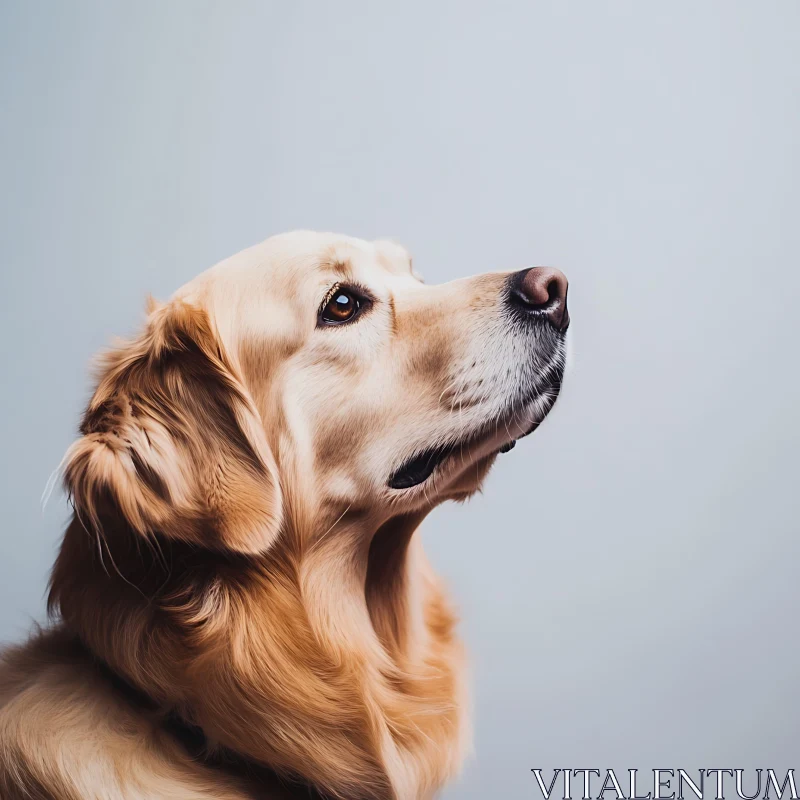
point(628, 579)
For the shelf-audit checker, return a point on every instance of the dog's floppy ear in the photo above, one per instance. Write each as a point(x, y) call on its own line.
point(171, 441)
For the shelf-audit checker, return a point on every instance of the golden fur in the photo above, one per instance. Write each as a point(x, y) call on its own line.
point(236, 556)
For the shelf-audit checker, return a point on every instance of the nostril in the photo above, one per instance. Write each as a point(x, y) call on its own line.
point(541, 291)
point(541, 286)
point(553, 291)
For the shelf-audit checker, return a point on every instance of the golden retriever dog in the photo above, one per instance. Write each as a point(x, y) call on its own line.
point(240, 606)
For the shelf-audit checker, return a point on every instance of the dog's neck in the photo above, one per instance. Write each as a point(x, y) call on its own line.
point(337, 665)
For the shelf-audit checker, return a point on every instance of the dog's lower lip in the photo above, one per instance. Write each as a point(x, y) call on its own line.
point(532, 428)
point(419, 468)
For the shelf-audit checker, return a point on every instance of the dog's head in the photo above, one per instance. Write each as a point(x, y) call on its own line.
point(312, 375)
point(276, 434)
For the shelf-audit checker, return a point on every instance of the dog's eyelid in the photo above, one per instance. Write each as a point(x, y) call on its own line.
point(328, 296)
point(356, 288)
point(362, 291)
point(357, 300)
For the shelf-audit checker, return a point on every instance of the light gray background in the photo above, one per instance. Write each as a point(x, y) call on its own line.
point(628, 580)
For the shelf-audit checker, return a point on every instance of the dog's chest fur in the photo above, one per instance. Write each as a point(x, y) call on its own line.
point(381, 716)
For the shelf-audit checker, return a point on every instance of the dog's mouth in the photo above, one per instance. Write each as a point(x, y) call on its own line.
point(419, 467)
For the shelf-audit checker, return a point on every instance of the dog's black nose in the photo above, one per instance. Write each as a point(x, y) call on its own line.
point(542, 292)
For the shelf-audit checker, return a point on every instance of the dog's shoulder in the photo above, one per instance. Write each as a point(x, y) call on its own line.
point(65, 734)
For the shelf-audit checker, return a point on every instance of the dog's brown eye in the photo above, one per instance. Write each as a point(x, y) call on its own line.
point(342, 307)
